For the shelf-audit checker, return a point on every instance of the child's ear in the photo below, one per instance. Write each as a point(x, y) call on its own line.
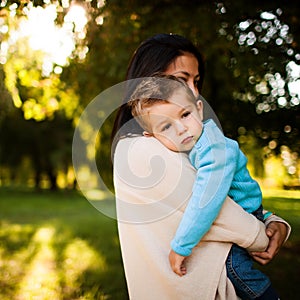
point(147, 134)
point(199, 105)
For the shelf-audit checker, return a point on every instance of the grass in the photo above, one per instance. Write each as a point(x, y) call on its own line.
point(58, 246)
point(284, 270)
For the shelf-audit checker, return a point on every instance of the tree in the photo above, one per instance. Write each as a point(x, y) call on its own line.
point(250, 50)
point(39, 125)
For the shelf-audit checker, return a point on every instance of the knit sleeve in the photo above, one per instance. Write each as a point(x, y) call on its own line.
point(216, 164)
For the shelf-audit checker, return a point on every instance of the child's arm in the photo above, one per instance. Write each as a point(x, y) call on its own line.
point(216, 166)
point(229, 229)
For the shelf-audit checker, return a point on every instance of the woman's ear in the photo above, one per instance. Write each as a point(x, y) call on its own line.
point(199, 105)
point(147, 134)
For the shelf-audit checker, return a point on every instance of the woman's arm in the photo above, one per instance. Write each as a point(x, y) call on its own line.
point(235, 225)
point(229, 227)
point(159, 183)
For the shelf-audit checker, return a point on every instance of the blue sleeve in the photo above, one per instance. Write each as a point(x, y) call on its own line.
point(215, 163)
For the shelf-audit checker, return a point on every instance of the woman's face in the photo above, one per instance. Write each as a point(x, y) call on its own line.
point(185, 67)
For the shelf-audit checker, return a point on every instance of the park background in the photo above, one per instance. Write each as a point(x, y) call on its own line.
point(57, 56)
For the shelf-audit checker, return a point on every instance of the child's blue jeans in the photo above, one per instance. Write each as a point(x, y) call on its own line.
point(249, 283)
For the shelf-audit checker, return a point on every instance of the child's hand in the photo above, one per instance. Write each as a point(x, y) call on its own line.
point(177, 263)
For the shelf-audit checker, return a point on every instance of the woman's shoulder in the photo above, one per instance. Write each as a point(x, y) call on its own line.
point(140, 144)
point(143, 153)
point(142, 148)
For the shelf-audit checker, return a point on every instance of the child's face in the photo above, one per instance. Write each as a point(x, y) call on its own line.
point(177, 124)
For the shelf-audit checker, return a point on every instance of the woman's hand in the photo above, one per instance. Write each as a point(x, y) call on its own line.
point(277, 232)
point(177, 263)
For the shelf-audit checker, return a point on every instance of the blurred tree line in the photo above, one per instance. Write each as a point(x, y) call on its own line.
point(252, 80)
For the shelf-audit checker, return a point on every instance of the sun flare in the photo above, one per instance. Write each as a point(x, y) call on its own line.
point(56, 42)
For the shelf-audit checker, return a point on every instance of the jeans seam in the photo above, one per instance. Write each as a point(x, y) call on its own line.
point(236, 277)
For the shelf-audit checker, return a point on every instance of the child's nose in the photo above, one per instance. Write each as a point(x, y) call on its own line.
point(181, 128)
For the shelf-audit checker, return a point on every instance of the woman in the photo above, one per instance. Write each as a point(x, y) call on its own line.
point(153, 185)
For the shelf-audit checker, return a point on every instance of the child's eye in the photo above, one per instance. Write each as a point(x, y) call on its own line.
point(186, 114)
point(166, 127)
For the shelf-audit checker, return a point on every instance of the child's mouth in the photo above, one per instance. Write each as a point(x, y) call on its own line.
point(187, 140)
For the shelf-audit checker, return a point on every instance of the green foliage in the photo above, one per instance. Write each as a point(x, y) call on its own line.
point(46, 144)
point(37, 121)
point(103, 154)
point(234, 79)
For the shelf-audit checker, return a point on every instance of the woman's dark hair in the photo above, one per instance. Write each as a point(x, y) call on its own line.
point(153, 56)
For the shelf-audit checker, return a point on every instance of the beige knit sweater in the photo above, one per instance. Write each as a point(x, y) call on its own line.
point(152, 187)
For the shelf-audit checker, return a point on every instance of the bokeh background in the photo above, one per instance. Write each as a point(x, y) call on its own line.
point(57, 56)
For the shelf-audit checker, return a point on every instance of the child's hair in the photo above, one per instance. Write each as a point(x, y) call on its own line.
point(154, 90)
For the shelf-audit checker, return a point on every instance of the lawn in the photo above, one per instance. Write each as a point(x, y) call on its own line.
point(284, 270)
point(58, 246)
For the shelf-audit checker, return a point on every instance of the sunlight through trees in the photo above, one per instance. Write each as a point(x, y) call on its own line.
point(56, 56)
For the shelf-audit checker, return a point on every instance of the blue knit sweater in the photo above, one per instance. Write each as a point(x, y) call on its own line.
point(221, 171)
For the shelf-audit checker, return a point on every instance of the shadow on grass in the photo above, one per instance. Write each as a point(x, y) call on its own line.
point(57, 246)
